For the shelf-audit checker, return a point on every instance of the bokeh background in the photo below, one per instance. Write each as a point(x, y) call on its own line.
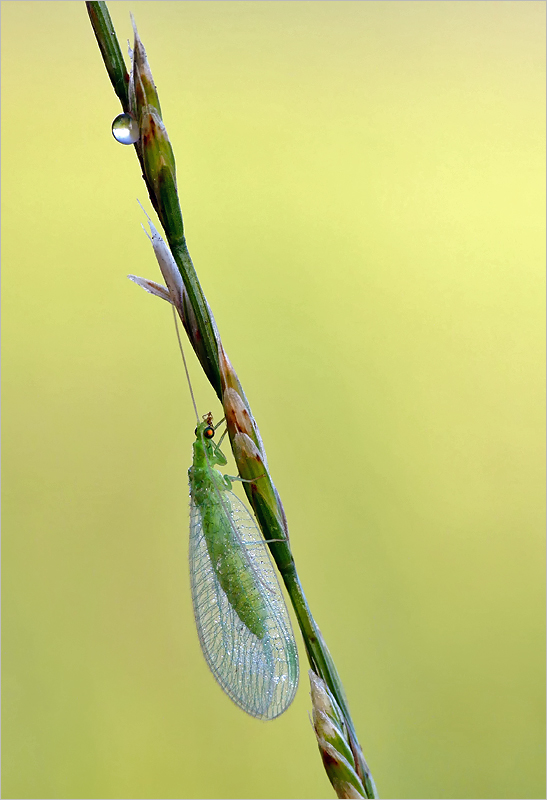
point(363, 192)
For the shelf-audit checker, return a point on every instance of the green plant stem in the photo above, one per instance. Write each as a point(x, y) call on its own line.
point(201, 309)
point(110, 50)
point(322, 663)
point(269, 512)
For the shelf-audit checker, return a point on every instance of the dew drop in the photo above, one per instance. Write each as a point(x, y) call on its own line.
point(125, 129)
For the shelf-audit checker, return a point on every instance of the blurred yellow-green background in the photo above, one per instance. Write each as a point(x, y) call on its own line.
point(363, 192)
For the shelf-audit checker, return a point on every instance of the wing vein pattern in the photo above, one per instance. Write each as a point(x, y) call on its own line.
point(257, 670)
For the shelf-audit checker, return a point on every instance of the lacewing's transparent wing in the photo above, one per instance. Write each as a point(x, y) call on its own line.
point(259, 674)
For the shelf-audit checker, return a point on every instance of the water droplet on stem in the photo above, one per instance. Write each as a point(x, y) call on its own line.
point(125, 129)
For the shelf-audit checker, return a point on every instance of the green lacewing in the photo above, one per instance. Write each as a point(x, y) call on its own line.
point(241, 617)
